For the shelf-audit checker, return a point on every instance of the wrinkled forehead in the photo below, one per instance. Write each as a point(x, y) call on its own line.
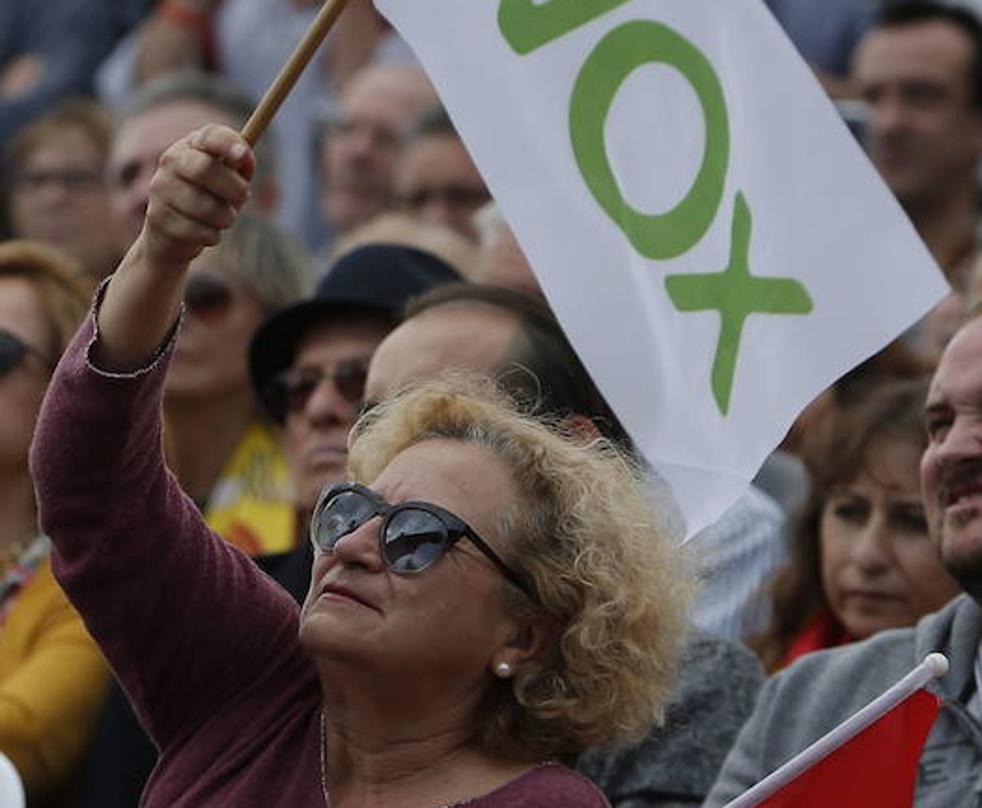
point(931, 50)
point(466, 479)
point(151, 131)
point(958, 378)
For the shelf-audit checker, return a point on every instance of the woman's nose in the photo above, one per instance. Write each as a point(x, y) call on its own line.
point(870, 551)
point(360, 547)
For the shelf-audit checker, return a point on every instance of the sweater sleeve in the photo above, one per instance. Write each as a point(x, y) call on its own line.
point(187, 622)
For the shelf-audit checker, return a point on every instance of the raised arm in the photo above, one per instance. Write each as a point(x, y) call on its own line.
point(201, 183)
point(187, 621)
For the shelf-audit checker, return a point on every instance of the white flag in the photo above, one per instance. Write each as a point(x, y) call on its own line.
point(716, 245)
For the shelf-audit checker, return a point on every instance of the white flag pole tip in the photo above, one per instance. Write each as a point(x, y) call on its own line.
point(936, 664)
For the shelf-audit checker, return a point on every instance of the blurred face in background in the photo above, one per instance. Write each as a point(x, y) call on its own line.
point(325, 386)
point(880, 568)
point(501, 261)
point(361, 144)
point(438, 183)
point(139, 142)
point(951, 468)
point(59, 196)
point(221, 315)
point(23, 373)
point(924, 130)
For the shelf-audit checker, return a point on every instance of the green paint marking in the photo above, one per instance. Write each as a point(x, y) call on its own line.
point(527, 26)
point(619, 54)
point(735, 294)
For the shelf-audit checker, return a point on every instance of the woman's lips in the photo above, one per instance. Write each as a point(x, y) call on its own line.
point(871, 596)
point(326, 456)
point(345, 594)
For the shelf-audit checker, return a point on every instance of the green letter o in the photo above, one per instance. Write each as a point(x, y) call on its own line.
point(621, 52)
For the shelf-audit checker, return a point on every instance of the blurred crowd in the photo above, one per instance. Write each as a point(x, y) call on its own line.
point(370, 256)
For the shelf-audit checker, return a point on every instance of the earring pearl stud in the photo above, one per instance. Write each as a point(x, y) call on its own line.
point(503, 669)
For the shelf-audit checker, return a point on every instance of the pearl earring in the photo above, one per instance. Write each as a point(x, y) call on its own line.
point(503, 669)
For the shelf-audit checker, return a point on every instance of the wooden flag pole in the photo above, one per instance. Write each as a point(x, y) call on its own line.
point(290, 72)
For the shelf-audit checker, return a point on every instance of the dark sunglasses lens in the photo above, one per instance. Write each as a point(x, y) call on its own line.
point(414, 540)
point(339, 516)
point(350, 381)
point(297, 388)
point(12, 352)
point(207, 297)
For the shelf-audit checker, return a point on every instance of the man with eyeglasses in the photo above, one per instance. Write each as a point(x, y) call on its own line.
point(361, 142)
point(57, 192)
point(308, 362)
point(436, 179)
point(158, 114)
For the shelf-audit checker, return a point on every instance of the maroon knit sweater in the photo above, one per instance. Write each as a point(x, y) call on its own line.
point(203, 642)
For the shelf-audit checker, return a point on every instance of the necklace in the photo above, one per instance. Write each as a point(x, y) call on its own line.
point(327, 799)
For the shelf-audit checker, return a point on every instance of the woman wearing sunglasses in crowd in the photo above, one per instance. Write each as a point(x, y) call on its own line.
point(487, 597)
point(225, 453)
point(861, 557)
point(52, 676)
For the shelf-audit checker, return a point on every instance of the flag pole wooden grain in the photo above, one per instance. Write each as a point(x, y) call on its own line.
point(290, 72)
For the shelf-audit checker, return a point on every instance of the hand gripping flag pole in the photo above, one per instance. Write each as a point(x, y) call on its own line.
point(776, 788)
point(291, 70)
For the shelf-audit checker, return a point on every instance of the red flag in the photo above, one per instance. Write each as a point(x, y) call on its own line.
point(875, 769)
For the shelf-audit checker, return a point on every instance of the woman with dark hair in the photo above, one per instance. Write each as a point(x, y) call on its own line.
point(861, 557)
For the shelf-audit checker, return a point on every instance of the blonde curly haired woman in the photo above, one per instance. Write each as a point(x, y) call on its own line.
point(488, 598)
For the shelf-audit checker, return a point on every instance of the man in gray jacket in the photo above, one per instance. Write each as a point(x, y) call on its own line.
point(804, 702)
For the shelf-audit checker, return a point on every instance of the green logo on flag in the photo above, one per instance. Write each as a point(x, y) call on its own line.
point(735, 293)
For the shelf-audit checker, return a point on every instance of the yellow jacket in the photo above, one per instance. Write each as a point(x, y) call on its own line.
point(52, 683)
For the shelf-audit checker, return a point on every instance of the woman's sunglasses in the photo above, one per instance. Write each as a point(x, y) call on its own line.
point(13, 352)
point(207, 297)
point(413, 536)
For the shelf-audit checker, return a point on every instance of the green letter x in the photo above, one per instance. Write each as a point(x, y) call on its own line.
point(735, 294)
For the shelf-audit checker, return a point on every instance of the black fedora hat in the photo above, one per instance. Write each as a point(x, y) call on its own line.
point(377, 280)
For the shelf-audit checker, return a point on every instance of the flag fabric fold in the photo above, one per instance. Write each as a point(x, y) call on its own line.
point(712, 239)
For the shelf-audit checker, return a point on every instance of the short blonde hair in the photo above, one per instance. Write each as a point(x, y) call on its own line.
point(275, 267)
point(64, 289)
point(80, 114)
point(612, 581)
point(405, 230)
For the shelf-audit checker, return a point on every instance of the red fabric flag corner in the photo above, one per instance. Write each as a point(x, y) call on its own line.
point(875, 769)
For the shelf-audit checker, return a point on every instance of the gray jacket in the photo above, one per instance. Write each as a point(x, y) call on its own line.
point(802, 703)
point(677, 763)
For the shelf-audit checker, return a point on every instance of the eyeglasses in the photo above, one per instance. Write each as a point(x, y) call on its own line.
point(73, 180)
point(380, 137)
point(207, 297)
point(291, 390)
point(13, 352)
point(413, 536)
point(451, 196)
